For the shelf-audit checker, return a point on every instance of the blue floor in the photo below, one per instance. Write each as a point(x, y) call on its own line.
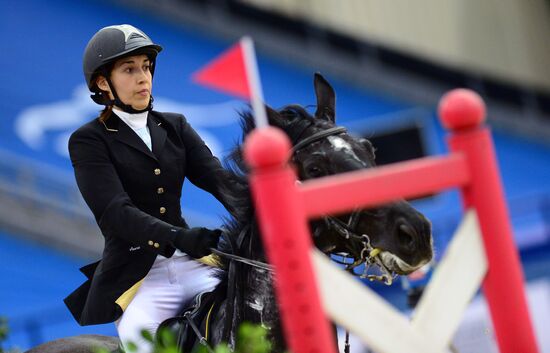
point(34, 281)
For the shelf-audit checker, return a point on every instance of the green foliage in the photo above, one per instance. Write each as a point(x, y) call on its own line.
point(100, 350)
point(250, 339)
point(4, 332)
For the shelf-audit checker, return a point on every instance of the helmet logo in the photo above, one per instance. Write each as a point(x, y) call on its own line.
point(130, 32)
point(135, 35)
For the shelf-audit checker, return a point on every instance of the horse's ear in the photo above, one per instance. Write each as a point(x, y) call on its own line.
point(326, 98)
point(368, 145)
point(273, 116)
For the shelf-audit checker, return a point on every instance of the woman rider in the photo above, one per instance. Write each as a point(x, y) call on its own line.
point(130, 164)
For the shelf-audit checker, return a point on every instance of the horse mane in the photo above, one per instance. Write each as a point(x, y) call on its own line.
point(293, 120)
point(287, 118)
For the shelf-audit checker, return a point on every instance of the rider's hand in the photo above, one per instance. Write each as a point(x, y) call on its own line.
point(196, 242)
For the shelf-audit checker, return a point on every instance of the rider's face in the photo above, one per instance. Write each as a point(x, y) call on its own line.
point(132, 79)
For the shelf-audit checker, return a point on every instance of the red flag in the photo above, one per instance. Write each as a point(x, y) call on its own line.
point(226, 73)
point(236, 72)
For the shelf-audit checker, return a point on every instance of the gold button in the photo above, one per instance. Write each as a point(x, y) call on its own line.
point(162, 210)
point(150, 242)
point(157, 171)
point(160, 191)
point(156, 245)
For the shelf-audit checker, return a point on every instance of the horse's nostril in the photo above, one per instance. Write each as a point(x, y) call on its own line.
point(406, 235)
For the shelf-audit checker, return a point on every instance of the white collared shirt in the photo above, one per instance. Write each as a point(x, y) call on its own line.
point(138, 123)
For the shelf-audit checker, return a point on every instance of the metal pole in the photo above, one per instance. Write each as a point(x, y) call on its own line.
point(253, 76)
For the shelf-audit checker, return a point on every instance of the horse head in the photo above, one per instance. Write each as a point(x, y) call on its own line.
point(394, 236)
point(396, 233)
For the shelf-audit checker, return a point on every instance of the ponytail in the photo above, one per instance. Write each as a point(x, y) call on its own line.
point(105, 113)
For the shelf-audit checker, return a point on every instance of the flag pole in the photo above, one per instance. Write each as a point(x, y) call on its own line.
point(256, 95)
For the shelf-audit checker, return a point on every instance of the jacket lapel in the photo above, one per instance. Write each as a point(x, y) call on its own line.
point(126, 135)
point(158, 134)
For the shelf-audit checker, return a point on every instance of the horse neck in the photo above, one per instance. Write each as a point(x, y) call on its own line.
point(257, 303)
point(254, 294)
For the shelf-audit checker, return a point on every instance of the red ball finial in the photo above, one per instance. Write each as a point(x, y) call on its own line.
point(461, 109)
point(267, 147)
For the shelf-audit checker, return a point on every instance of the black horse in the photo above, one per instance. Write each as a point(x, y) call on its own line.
point(398, 234)
point(394, 236)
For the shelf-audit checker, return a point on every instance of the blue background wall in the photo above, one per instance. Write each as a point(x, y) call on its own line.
point(44, 99)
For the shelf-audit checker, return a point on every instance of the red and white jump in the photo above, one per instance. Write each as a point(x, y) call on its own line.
point(284, 207)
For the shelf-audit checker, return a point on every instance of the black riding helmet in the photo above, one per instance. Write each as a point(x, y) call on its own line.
point(108, 45)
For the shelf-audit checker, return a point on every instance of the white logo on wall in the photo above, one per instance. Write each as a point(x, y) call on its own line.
point(62, 118)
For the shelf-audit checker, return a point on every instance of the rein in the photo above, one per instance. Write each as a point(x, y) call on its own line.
point(244, 260)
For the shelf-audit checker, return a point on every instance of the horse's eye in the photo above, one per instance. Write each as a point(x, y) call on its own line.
point(314, 171)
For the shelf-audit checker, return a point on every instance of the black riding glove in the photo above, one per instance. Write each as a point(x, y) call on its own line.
point(196, 242)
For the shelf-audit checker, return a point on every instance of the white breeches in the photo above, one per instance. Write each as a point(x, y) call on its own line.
point(171, 284)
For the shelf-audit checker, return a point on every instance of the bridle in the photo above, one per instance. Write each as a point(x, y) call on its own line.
point(347, 230)
point(317, 137)
point(369, 254)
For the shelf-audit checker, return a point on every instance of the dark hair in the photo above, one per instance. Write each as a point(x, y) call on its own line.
point(105, 113)
point(105, 71)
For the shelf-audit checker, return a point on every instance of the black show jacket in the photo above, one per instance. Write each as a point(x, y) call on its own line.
point(134, 195)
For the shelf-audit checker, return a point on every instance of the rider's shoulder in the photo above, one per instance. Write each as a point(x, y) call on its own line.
point(173, 118)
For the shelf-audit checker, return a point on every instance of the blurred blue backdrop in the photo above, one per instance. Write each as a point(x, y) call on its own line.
point(44, 99)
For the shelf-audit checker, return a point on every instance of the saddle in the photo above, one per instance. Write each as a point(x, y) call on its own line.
point(190, 325)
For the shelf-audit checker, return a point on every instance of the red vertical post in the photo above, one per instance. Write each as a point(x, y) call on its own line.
point(286, 238)
point(463, 113)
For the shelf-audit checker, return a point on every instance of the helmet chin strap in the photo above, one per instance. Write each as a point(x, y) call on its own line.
point(125, 107)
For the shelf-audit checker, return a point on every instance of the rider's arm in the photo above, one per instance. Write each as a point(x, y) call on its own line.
point(104, 193)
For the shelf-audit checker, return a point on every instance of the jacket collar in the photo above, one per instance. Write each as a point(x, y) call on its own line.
point(125, 134)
